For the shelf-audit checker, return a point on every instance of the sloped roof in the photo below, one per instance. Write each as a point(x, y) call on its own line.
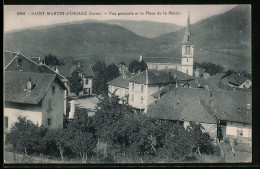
point(8, 56)
point(21, 62)
point(87, 70)
point(206, 83)
point(120, 81)
point(160, 76)
point(198, 111)
point(36, 59)
point(64, 70)
point(237, 79)
point(164, 90)
point(15, 82)
point(161, 60)
point(226, 105)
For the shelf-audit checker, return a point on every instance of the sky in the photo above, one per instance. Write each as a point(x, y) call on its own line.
point(26, 16)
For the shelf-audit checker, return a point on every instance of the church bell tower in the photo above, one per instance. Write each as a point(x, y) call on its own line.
point(187, 51)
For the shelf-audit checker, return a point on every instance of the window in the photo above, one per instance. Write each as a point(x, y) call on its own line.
point(240, 133)
point(187, 71)
point(142, 100)
point(187, 60)
point(49, 105)
point(6, 122)
point(86, 82)
point(133, 85)
point(133, 97)
point(49, 121)
point(142, 88)
point(53, 90)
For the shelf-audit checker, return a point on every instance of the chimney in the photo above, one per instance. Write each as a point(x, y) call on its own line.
point(146, 77)
point(79, 65)
point(72, 109)
point(29, 85)
point(56, 69)
point(124, 76)
point(141, 58)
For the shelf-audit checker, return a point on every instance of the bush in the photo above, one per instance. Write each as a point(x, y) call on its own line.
point(227, 140)
point(216, 150)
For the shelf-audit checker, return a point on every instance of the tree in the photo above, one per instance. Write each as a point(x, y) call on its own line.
point(210, 68)
point(202, 141)
point(79, 135)
point(75, 84)
point(26, 137)
point(104, 75)
point(134, 66)
point(52, 60)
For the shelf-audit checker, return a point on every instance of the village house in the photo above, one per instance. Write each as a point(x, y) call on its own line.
point(120, 86)
point(238, 81)
point(230, 110)
point(183, 64)
point(85, 72)
point(146, 83)
point(36, 96)
point(22, 63)
point(8, 56)
point(201, 82)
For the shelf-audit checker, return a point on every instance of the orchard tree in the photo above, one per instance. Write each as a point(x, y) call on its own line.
point(75, 84)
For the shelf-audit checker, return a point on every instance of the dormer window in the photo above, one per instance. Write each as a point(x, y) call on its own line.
point(53, 89)
point(18, 62)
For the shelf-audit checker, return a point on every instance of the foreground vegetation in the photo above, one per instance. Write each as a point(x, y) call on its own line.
point(114, 134)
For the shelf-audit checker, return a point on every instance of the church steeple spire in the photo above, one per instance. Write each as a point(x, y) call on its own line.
point(187, 35)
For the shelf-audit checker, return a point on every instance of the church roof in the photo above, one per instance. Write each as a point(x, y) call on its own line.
point(187, 35)
point(162, 60)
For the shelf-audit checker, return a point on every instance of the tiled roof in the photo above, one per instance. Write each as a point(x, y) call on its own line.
point(160, 76)
point(198, 111)
point(20, 62)
point(120, 81)
point(226, 105)
point(36, 59)
point(236, 79)
point(64, 70)
point(8, 56)
point(164, 90)
point(15, 82)
point(162, 60)
point(87, 70)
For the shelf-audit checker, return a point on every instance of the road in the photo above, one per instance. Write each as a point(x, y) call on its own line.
point(88, 103)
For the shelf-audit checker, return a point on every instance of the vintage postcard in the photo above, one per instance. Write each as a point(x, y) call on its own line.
point(127, 84)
